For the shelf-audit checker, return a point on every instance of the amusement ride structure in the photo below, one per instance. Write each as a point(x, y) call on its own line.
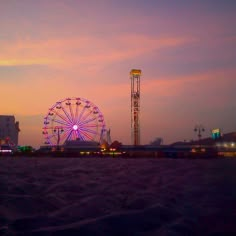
point(73, 119)
point(135, 106)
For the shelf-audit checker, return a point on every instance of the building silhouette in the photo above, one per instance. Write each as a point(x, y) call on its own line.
point(9, 130)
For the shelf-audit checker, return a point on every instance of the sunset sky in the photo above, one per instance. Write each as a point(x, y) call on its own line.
point(50, 50)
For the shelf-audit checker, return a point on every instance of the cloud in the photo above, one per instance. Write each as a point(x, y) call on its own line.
point(208, 90)
point(83, 50)
point(26, 62)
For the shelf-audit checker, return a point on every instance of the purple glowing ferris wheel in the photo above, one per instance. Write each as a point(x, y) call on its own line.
point(73, 119)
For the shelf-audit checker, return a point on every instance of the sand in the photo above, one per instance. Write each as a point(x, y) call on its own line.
point(117, 196)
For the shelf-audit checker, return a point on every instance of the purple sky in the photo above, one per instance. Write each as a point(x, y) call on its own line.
point(50, 50)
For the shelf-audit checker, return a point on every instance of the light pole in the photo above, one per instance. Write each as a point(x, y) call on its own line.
point(199, 129)
point(58, 131)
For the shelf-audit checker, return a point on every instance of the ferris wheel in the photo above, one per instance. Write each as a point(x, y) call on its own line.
point(73, 119)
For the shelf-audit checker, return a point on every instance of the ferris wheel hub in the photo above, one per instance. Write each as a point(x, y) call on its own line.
point(75, 127)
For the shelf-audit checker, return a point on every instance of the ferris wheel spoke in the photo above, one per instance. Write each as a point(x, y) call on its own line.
point(71, 113)
point(50, 136)
point(76, 113)
point(67, 114)
point(74, 136)
point(81, 114)
point(83, 118)
point(64, 135)
point(68, 136)
point(91, 125)
point(87, 121)
point(61, 122)
point(90, 131)
point(86, 135)
point(62, 117)
point(79, 135)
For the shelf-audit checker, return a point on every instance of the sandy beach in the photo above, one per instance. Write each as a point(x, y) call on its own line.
point(117, 196)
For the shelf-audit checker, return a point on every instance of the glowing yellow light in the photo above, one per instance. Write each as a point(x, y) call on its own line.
point(135, 72)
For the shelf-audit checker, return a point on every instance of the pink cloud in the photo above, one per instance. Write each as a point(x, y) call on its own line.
point(185, 101)
point(83, 50)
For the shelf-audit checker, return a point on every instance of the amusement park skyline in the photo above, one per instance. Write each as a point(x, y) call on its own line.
point(52, 50)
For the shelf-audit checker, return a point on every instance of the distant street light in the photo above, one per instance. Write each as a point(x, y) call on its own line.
point(58, 131)
point(199, 129)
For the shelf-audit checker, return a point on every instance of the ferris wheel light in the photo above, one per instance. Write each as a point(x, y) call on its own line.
point(75, 127)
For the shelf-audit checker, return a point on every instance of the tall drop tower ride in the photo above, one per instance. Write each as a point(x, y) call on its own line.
point(135, 106)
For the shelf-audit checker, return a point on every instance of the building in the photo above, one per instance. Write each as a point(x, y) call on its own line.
point(9, 130)
point(81, 146)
